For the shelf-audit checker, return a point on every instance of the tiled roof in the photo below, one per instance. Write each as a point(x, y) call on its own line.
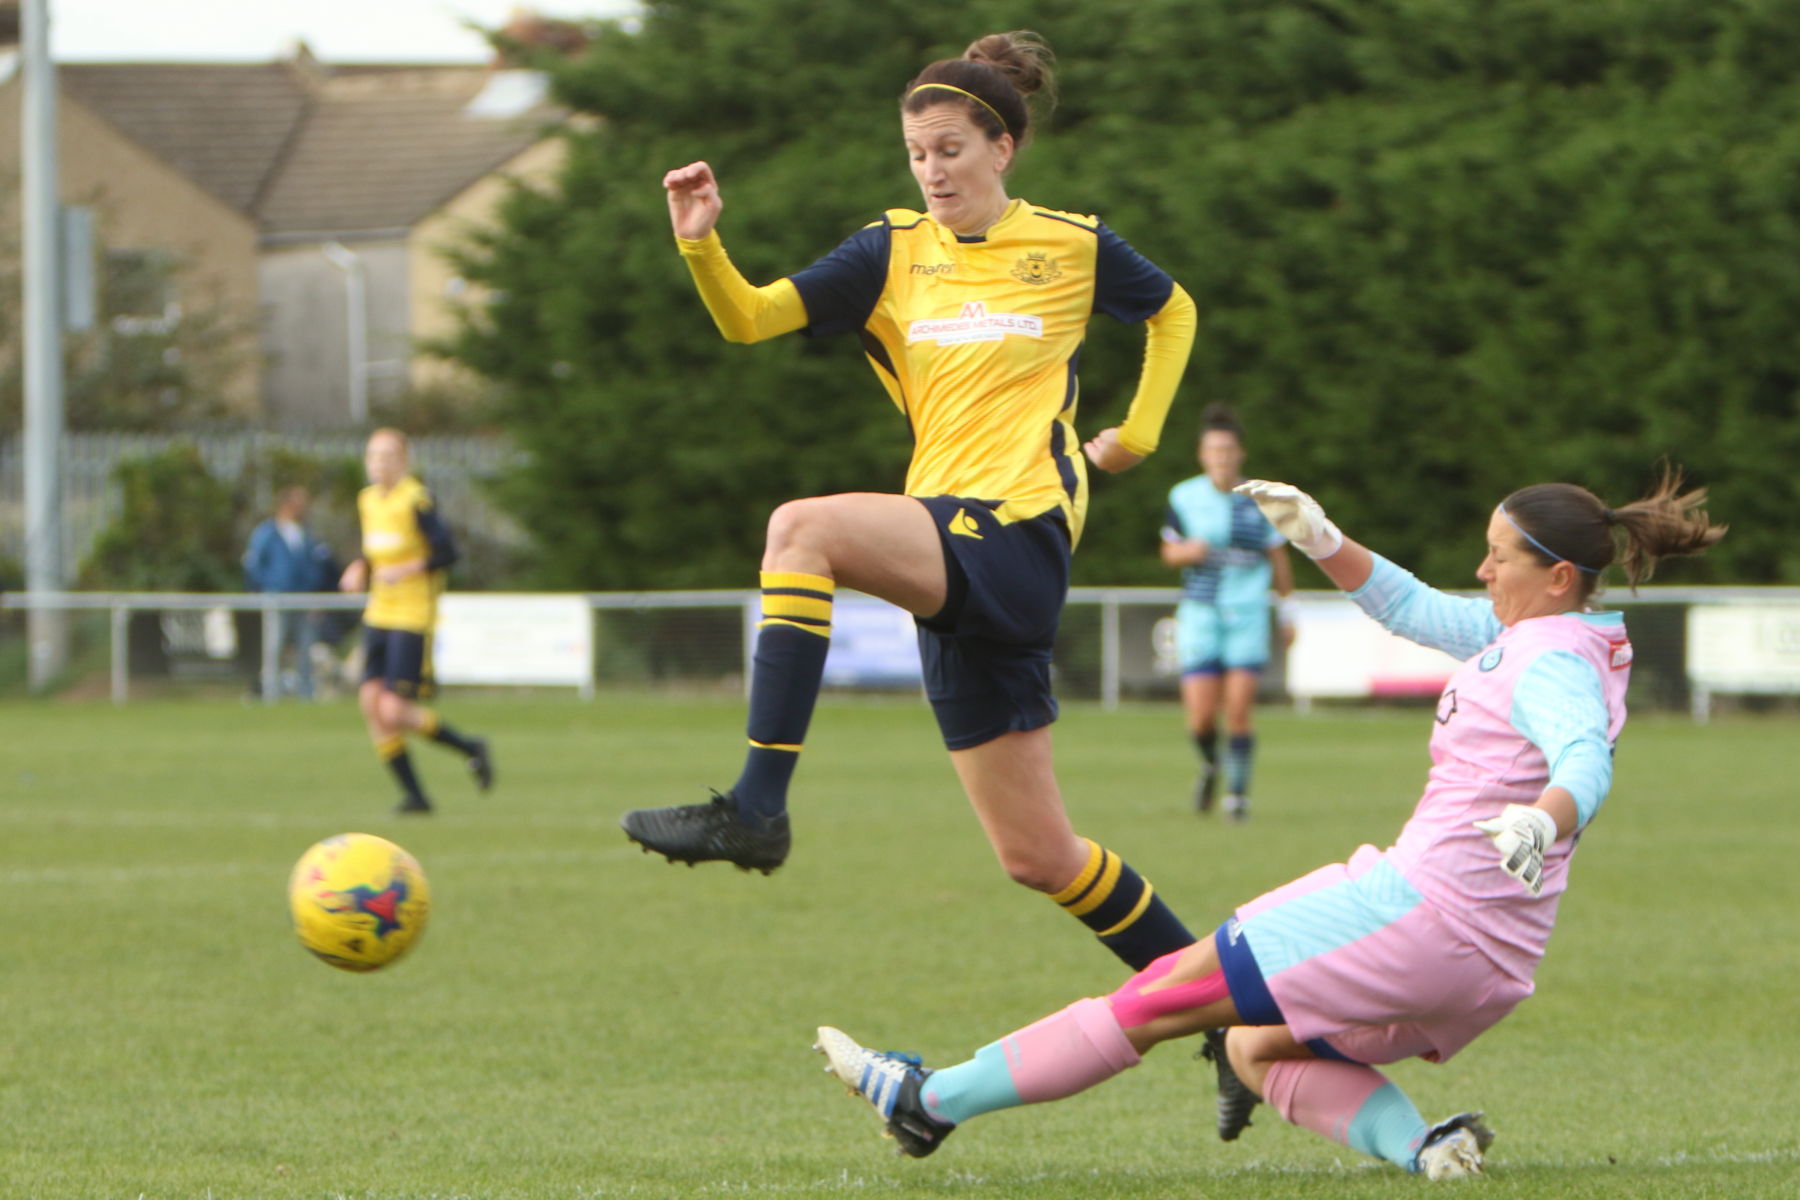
point(223, 125)
point(383, 151)
point(303, 148)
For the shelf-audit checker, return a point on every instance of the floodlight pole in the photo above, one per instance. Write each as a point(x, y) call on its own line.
point(47, 631)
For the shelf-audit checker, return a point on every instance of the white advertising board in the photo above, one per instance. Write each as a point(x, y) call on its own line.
point(1338, 652)
point(1744, 648)
point(507, 639)
point(874, 644)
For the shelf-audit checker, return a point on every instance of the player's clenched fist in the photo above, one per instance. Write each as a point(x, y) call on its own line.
point(694, 202)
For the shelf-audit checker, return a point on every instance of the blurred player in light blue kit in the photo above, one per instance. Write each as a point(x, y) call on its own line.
point(1229, 556)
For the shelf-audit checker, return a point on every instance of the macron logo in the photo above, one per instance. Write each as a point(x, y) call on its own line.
point(974, 324)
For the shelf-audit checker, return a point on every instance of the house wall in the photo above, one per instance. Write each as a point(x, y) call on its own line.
point(306, 338)
point(141, 203)
point(435, 287)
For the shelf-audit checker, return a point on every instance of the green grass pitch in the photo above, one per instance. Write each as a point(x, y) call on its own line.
point(583, 1021)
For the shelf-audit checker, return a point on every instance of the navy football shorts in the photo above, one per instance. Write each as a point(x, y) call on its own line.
point(400, 659)
point(986, 653)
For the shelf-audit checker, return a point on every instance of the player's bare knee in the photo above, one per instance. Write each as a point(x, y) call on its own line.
point(793, 525)
point(391, 710)
point(368, 698)
point(1037, 871)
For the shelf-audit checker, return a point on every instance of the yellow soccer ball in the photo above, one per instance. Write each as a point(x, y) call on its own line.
point(359, 902)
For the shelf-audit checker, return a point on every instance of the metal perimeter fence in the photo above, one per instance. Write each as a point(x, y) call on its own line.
point(1692, 646)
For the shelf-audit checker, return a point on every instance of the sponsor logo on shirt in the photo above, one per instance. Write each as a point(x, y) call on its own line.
point(974, 324)
point(1036, 267)
point(933, 268)
point(1446, 707)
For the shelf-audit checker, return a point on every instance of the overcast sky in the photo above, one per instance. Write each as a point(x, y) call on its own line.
point(260, 30)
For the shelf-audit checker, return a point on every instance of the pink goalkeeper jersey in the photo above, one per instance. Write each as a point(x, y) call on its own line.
point(1539, 701)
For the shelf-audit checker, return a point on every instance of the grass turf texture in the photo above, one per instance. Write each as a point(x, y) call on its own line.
point(583, 1021)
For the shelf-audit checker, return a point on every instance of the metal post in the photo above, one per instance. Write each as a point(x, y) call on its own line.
point(356, 325)
point(271, 651)
point(121, 653)
point(1109, 651)
point(751, 615)
point(587, 679)
point(47, 629)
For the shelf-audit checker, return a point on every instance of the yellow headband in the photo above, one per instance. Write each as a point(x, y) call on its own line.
point(971, 95)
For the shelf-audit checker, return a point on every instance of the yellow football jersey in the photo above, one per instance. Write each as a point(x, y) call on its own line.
point(401, 526)
point(976, 340)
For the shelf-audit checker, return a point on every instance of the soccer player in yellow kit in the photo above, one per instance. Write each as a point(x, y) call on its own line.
point(406, 551)
point(972, 314)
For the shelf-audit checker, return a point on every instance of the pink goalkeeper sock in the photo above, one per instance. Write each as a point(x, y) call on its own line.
point(1321, 1095)
point(1068, 1052)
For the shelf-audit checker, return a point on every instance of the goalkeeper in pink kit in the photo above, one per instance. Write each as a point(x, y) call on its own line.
point(1412, 951)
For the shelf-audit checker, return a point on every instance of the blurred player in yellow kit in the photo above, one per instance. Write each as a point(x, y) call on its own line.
point(406, 550)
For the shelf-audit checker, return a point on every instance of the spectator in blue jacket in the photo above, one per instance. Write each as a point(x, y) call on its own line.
point(284, 556)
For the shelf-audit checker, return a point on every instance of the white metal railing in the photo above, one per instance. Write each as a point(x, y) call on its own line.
point(1110, 603)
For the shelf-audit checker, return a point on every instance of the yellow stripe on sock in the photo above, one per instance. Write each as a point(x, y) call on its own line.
point(1087, 874)
point(774, 746)
point(796, 606)
point(1102, 891)
point(823, 631)
point(1136, 912)
point(391, 747)
point(797, 579)
point(429, 722)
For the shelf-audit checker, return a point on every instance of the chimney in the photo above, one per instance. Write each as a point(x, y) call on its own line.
point(528, 33)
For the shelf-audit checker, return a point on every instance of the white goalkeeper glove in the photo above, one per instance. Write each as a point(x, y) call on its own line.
point(1295, 515)
point(1522, 833)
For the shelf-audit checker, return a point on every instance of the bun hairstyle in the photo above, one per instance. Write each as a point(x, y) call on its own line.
point(1565, 523)
point(991, 82)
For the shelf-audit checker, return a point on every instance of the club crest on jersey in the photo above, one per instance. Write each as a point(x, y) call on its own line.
point(1490, 660)
point(1036, 267)
point(974, 324)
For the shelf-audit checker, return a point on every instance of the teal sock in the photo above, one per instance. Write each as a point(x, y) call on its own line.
point(980, 1085)
point(1239, 752)
point(1387, 1126)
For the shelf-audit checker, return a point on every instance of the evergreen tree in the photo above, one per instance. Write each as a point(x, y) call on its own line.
point(1439, 252)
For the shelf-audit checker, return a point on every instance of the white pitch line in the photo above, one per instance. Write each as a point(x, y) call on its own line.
point(117, 875)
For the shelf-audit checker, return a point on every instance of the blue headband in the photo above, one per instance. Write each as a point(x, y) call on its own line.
point(1545, 550)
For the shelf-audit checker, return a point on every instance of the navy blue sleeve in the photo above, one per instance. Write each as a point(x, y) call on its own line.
point(840, 290)
point(437, 535)
point(1127, 286)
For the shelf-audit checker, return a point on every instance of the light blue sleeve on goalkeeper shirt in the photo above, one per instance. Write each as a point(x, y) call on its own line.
point(1559, 705)
point(1418, 612)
